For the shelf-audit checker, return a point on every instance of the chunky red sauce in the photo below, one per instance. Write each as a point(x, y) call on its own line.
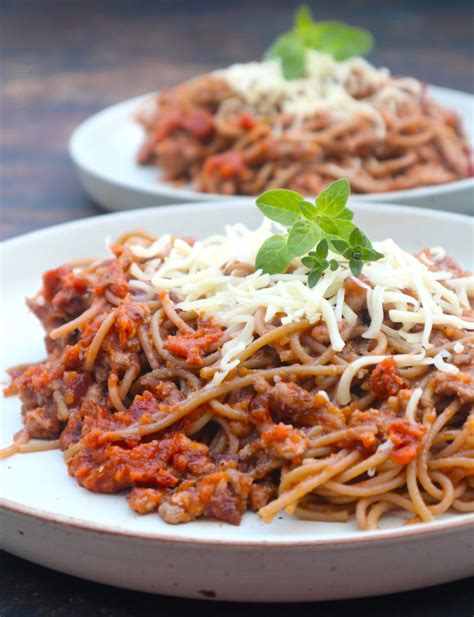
point(226, 165)
point(384, 380)
point(192, 346)
point(408, 439)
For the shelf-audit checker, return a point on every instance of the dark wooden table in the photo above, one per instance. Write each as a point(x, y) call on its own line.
point(62, 61)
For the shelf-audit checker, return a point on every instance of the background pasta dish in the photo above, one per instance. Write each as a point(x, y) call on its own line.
point(311, 112)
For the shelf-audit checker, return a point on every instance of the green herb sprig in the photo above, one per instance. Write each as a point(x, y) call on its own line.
point(313, 230)
point(331, 37)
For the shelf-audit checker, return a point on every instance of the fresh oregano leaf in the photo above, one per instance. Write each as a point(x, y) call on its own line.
point(292, 54)
point(356, 238)
point(312, 231)
point(303, 18)
point(344, 228)
point(355, 267)
point(272, 256)
point(313, 277)
point(281, 206)
point(331, 37)
point(328, 225)
point(309, 210)
point(346, 214)
point(339, 246)
point(309, 261)
point(333, 199)
point(322, 249)
point(302, 237)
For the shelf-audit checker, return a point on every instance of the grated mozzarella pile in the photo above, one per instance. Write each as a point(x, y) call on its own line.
point(326, 86)
point(398, 286)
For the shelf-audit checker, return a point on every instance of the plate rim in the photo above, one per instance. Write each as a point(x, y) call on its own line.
point(408, 532)
point(160, 189)
point(365, 538)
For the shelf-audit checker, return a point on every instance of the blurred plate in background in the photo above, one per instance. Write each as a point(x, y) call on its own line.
point(104, 147)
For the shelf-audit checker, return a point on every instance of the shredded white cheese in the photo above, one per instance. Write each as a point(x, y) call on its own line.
point(343, 392)
point(413, 404)
point(440, 362)
point(375, 305)
point(398, 286)
point(326, 86)
point(386, 445)
point(438, 253)
point(324, 394)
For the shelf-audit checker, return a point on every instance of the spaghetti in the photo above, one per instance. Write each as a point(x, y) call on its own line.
point(203, 388)
point(247, 129)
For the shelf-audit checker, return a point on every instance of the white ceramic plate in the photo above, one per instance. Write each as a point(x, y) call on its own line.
point(104, 147)
point(47, 518)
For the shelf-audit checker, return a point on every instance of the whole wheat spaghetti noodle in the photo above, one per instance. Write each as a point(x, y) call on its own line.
point(247, 129)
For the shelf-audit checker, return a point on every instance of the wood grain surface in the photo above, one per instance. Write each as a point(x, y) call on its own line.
point(27, 590)
point(62, 61)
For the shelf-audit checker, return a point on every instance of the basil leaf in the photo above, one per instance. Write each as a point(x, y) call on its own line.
point(309, 210)
point(302, 237)
point(334, 198)
point(334, 265)
point(281, 205)
point(292, 54)
point(273, 256)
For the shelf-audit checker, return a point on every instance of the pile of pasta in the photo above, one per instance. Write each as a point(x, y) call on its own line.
point(238, 132)
point(161, 384)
